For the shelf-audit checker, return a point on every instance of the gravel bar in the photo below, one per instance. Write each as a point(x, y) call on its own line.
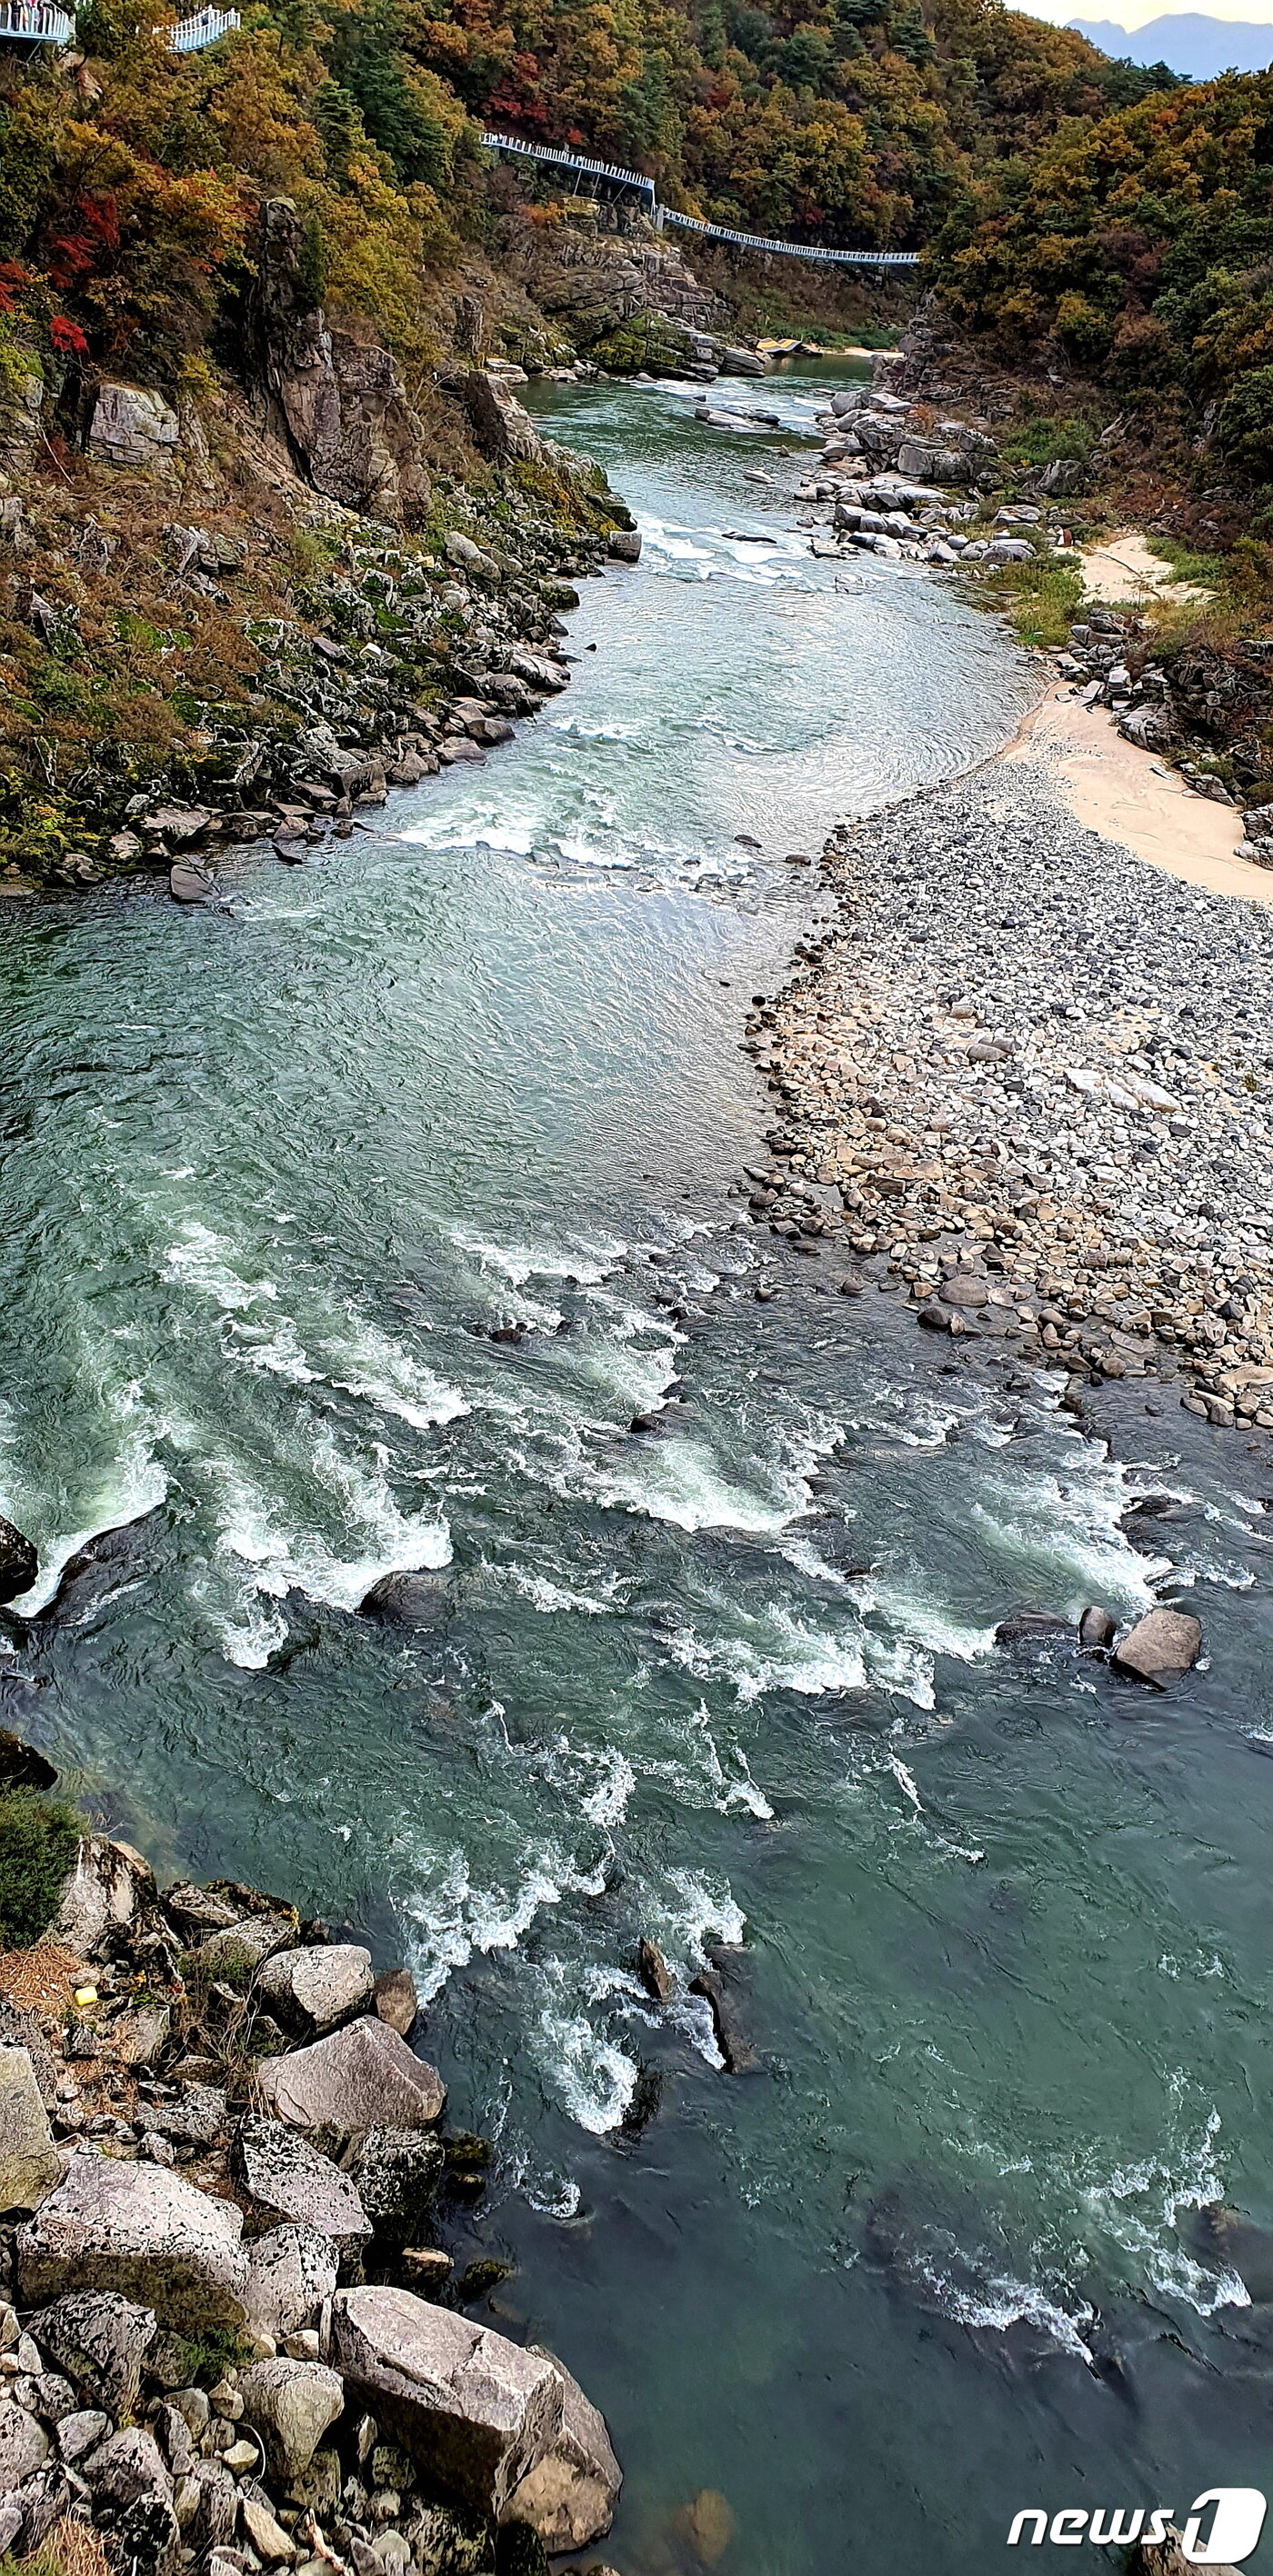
point(1034, 1076)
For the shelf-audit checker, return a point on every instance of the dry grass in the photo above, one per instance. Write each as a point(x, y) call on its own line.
point(71, 2548)
point(42, 1979)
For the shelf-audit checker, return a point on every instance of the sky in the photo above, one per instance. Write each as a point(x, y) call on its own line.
point(1137, 13)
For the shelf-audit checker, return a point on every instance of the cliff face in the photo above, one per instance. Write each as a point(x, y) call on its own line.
point(333, 396)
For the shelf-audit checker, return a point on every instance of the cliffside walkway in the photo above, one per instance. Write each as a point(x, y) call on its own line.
point(636, 183)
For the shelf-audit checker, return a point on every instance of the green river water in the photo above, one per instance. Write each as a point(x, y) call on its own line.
point(273, 1173)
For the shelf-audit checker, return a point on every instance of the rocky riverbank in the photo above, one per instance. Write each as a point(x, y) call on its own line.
point(1032, 1078)
point(231, 2336)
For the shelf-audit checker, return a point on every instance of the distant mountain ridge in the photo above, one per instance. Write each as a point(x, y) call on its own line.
point(1199, 47)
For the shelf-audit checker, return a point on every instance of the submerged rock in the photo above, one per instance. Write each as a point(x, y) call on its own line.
point(1097, 1629)
point(409, 1600)
point(19, 1564)
point(731, 2037)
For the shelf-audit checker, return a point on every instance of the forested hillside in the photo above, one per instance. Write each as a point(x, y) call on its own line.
point(1136, 249)
point(128, 185)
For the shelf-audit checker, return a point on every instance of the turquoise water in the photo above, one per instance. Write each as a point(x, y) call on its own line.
point(274, 1174)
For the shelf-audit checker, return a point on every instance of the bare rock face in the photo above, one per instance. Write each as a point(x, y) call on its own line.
point(476, 2411)
point(1161, 1646)
point(333, 395)
point(132, 2502)
point(24, 2446)
point(291, 2404)
point(142, 2231)
point(362, 2077)
point(29, 2162)
point(19, 1564)
point(570, 2495)
point(131, 426)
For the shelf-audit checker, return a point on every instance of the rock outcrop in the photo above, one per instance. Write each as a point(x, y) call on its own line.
point(477, 2411)
point(334, 395)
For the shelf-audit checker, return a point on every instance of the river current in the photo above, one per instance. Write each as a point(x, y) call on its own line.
point(275, 1174)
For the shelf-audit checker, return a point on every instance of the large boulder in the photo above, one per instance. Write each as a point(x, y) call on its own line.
point(476, 2411)
point(290, 2179)
point(570, 2495)
point(290, 2273)
point(132, 426)
point(100, 2342)
point(1161, 1646)
point(29, 2162)
point(24, 2448)
point(313, 1990)
point(103, 1895)
point(361, 2077)
point(19, 1564)
point(244, 1944)
point(132, 2503)
point(291, 2404)
point(141, 2230)
point(397, 2172)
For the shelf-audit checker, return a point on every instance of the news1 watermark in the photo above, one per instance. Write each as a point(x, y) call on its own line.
point(1220, 2529)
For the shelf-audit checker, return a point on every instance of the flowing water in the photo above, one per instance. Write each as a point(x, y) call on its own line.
point(275, 1174)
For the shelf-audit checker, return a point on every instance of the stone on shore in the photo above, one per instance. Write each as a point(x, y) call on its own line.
point(101, 1896)
point(19, 1564)
point(249, 1942)
point(133, 2503)
point(362, 2077)
point(140, 2230)
point(474, 2410)
point(290, 2179)
point(291, 2404)
point(29, 2162)
point(397, 2172)
point(313, 1990)
point(24, 2447)
point(1161, 1646)
point(100, 2341)
point(570, 2495)
point(290, 2273)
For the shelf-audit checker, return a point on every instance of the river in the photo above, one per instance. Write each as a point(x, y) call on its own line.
point(274, 1174)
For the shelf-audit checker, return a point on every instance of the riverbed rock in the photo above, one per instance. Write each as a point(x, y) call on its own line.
point(1161, 1646)
point(474, 2410)
point(1024, 1627)
point(140, 2230)
point(313, 1990)
point(732, 2038)
point(189, 883)
point(408, 1600)
point(570, 2495)
point(361, 2077)
point(100, 2341)
point(396, 2001)
point(653, 1971)
point(291, 2404)
point(19, 1564)
point(1097, 1629)
point(291, 2270)
point(29, 2162)
point(624, 545)
point(291, 2179)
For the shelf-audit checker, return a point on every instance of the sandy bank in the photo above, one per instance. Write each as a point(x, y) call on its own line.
point(1130, 798)
point(1123, 568)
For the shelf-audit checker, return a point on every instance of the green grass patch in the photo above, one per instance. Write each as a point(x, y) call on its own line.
point(1051, 435)
point(1211, 572)
point(1040, 597)
point(39, 1838)
point(211, 2353)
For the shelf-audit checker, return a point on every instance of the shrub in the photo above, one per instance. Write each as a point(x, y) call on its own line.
point(39, 1837)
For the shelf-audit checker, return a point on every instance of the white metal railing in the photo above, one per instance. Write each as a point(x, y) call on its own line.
point(793, 250)
point(34, 22)
point(190, 35)
point(565, 159)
